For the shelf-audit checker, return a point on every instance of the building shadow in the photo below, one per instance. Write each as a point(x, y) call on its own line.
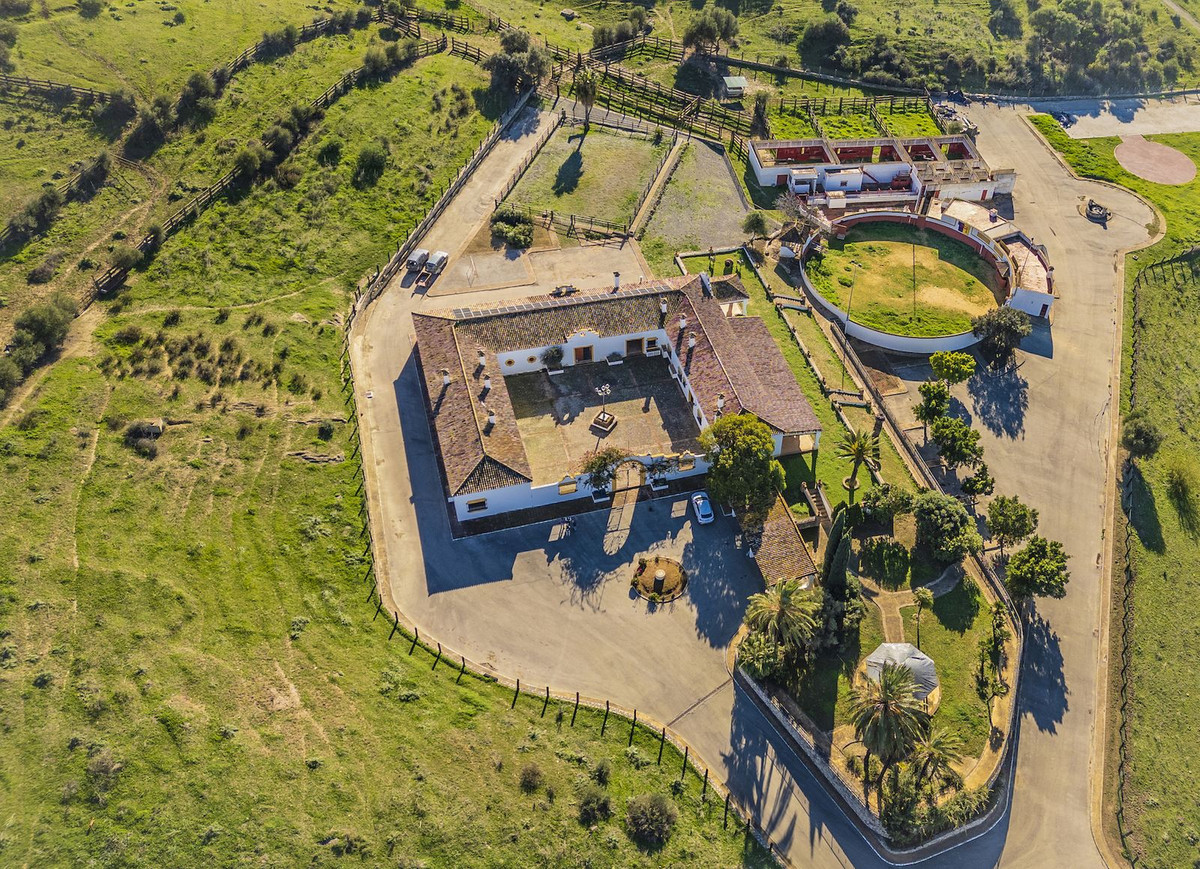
point(1000, 396)
point(1044, 692)
point(1040, 342)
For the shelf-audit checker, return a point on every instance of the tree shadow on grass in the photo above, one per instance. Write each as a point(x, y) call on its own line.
point(956, 610)
point(569, 173)
point(1144, 516)
point(1000, 397)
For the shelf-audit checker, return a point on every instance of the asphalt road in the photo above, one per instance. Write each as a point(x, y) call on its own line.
point(1051, 449)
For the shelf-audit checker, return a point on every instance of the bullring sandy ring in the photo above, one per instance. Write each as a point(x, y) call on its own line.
point(1154, 161)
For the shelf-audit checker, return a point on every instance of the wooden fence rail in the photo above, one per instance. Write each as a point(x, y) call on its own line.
point(55, 90)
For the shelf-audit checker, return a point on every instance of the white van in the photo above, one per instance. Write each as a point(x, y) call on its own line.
point(417, 259)
point(436, 262)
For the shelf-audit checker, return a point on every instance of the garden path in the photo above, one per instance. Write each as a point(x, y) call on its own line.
point(889, 603)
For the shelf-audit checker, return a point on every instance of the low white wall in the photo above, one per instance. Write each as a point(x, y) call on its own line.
point(1031, 302)
point(525, 496)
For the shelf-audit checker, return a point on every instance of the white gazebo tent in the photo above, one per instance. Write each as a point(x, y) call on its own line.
point(911, 658)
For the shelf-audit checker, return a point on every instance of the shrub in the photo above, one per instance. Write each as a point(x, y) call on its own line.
point(515, 229)
point(37, 215)
point(531, 777)
point(10, 378)
point(1140, 435)
point(594, 805)
point(15, 7)
point(330, 153)
point(651, 819)
point(248, 160)
point(90, 8)
point(371, 162)
point(44, 271)
point(325, 430)
point(602, 772)
point(125, 257)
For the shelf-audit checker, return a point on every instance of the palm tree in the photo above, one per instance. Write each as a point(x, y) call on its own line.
point(934, 755)
point(924, 599)
point(585, 94)
point(860, 448)
point(783, 613)
point(887, 717)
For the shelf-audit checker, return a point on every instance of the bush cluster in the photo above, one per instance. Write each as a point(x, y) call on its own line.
point(515, 229)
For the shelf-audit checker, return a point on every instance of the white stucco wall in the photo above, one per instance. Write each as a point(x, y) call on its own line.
point(527, 495)
point(1031, 302)
point(530, 359)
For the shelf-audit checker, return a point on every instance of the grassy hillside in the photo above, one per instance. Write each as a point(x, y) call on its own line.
point(189, 672)
point(1164, 777)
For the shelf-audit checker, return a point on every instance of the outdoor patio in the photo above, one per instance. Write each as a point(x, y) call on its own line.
point(555, 413)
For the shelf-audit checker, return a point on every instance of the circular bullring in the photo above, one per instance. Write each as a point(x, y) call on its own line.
point(909, 283)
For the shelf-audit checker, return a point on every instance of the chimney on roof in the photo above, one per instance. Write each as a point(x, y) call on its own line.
point(482, 358)
point(445, 377)
point(683, 321)
point(662, 305)
point(487, 382)
point(706, 284)
point(491, 417)
point(691, 340)
point(720, 401)
point(616, 281)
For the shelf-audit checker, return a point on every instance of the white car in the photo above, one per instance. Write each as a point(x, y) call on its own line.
point(702, 507)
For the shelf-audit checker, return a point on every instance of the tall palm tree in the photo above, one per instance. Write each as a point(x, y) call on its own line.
point(933, 757)
point(784, 613)
point(860, 448)
point(585, 94)
point(887, 717)
point(924, 598)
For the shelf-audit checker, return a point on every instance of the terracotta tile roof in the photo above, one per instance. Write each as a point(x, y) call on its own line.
point(734, 357)
point(782, 553)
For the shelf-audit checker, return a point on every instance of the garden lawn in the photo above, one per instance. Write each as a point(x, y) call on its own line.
point(830, 470)
point(1164, 773)
point(823, 692)
point(189, 671)
point(950, 634)
point(39, 144)
point(137, 44)
point(871, 271)
point(598, 175)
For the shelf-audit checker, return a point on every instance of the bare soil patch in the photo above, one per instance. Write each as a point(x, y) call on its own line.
point(1154, 161)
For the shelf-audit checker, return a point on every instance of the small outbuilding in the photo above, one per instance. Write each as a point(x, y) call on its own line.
point(733, 86)
point(911, 658)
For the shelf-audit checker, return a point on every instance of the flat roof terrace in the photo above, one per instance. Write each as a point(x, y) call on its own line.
point(554, 414)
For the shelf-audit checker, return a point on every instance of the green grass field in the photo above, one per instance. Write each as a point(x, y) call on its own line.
point(136, 44)
point(40, 145)
point(189, 673)
point(908, 122)
point(788, 124)
point(852, 125)
point(875, 264)
point(598, 175)
point(1164, 775)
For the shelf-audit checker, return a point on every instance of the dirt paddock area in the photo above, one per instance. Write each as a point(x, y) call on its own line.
point(1155, 161)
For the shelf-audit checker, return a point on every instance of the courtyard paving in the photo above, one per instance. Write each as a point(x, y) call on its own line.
point(554, 414)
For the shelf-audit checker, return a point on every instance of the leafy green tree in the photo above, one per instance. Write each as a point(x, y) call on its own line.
point(935, 402)
point(1010, 521)
point(1001, 329)
point(755, 224)
point(952, 367)
point(860, 448)
point(837, 580)
point(1038, 570)
point(945, 527)
point(1140, 435)
point(709, 29)
point(600, 467)
point(586, 88)
point(924, 599)
point(760, 655)
point(742, 468)
point(248, 161)
point(957, 442)
point(979, 483)
point(933, 756)
point(518, 63)
point(836, 531)
point(888, 718)
point(886, 501)
point(785, 614)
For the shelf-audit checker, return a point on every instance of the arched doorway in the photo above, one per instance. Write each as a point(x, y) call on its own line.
point(630, 474)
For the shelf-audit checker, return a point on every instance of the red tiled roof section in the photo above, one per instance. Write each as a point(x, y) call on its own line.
point(782, 553)
point(476, 456)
